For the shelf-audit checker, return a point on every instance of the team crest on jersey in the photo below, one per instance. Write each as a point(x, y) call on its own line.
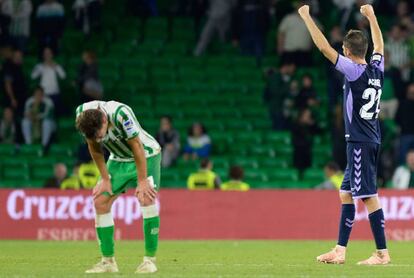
point(128, 125)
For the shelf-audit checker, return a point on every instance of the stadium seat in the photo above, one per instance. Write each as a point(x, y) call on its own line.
point(7, 150)
point(30, 151)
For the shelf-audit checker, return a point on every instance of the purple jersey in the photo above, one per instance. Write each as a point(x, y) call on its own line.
point(362, 94)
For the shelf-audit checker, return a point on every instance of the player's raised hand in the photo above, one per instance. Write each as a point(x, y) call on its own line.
point(102, 186)
point(304, 10)
point(367, 11)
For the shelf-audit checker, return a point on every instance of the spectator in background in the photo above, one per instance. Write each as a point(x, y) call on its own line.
point(349, 12)
point(405, 119)
point(303, 130)
point(49, 73)
point(336, 79)
point(307, 97)
point(289, 110)
point(88, 80)
point(235, 183)
point(218, 21)
point(205, 178)
point(169, 140)
point(88, 175)
point(7, 127)
point(398, 50)
point(60, 173)
point(19, 28)
point(39, 120)
point(276, 91)
point(389, 102)
point(294, 43)
point(14, 83)
point(334, 176)
point(94, 9)
point(5, 19)
point(198, 143)
point(402, 11)
point(88, 15)
point(50, 24)
point(403, 177)
point(252, 22)
point(72, 182)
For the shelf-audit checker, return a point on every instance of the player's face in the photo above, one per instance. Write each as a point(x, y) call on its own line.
point(410, 160)
point(101, 134)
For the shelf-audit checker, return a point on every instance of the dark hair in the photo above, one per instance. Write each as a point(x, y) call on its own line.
point(203, 129)
point(89, 122)
point(167, 117)
point(39, 88)
point(357, 43)
point(91, 54)
point(204, 163)
point(307, 75)
point(236, 173)
point(332, 165)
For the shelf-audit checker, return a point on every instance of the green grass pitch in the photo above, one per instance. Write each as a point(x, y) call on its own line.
point(203, 259)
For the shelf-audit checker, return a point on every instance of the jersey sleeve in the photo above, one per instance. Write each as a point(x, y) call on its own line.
point(351, 70)
point(125, 121)
point(377, 60)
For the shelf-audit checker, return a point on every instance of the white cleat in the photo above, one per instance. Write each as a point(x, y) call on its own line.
point(147, 266)
point(104, 266)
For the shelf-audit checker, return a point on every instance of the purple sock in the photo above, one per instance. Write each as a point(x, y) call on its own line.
point(377, 221)
point(345, 226)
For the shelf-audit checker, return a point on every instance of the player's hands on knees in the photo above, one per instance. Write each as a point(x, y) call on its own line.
point(102, 186)
point(304, 10)
point(367, 11)
point(143, 189)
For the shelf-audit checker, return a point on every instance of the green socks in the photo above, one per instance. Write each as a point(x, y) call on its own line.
point(104, 225)
point(151, 225)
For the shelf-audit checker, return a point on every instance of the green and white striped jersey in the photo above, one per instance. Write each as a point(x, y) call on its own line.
point(123, 125)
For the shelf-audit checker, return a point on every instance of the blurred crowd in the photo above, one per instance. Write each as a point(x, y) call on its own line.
point(31, 109)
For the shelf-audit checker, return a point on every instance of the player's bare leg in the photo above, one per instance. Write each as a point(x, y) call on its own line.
point(105, 232)
point(338, 253)
point(376, 218)
point(151, 229)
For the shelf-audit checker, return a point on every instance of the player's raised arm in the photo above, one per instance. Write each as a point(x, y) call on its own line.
point(377, 40)
point(317, 36)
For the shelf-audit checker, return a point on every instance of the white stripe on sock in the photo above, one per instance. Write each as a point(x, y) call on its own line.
point(149, 212)
point(104, 220)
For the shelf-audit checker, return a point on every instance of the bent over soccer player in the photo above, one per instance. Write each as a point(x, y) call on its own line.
point(362, 93)
point(135, 160)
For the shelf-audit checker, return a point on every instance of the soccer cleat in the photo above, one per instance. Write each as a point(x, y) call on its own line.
point(104, 266)
point(336, 256)
point(380, 257)
point(147, 266)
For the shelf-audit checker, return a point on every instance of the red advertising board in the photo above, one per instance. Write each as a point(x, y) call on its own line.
point(257, 214)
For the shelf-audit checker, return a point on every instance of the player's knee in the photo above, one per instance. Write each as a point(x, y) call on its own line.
point(346, 198)
point(372, 204)
point(101, 207)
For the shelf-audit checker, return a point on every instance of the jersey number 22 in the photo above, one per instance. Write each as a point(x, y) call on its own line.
point(374, 97)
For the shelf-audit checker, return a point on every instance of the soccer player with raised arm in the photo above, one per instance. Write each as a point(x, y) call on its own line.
point(362, 93)
point(135, 160)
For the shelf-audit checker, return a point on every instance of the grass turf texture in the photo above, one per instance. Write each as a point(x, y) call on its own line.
point(202, 259)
